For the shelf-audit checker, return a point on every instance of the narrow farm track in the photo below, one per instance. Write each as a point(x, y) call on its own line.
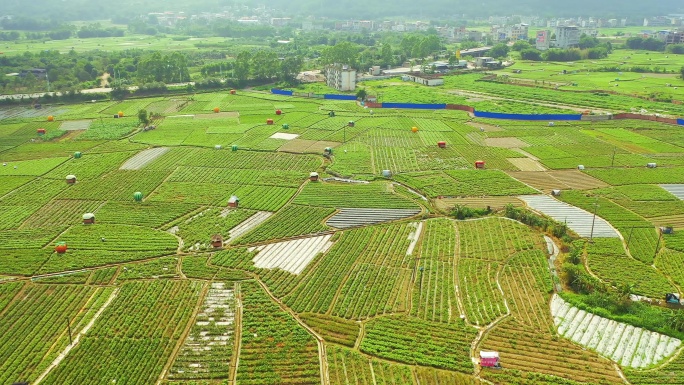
point(457, 254)
point(183, 336)
point(237, 345)
point(68, 272)
point(322, 356)
point(76, 340)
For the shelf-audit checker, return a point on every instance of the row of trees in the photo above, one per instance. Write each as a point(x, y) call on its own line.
point(648, 44)
point(265, 65)
point(64, 32)
point(163, 68)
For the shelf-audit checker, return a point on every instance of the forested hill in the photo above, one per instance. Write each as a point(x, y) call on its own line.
point(69, 10)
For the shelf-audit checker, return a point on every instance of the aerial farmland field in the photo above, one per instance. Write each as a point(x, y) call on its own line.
point(218, 249)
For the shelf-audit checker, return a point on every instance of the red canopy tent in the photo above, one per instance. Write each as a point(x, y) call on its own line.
point(489, 359)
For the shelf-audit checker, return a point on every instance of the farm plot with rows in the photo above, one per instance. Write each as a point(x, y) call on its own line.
point(293, 220)
point(630, 346)
point(274, 347)
point(412, 341)
point(527, 340)
point(350, 367)
point(373, 195)
point(28, 350)
point(580, 221)
point(434, 297)
point(292, 256)
point(640, 235)
point(370, 265)
point(457, 183)
point(207, 350)
point(352, 217)
point(121, 336)
point(607, 259)
point(361, 277)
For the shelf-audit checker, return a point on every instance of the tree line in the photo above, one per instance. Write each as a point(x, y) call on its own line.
point(60, 32)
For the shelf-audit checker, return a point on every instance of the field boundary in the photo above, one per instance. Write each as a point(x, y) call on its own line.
point(485, 114)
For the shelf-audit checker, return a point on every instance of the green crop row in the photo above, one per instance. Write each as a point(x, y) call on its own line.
point(293, 220)
point(275, 348)
point(373, 195)
point(138, 346)
point(416, 342)
point(433, 296)
point(31, 326)
point(333, 329)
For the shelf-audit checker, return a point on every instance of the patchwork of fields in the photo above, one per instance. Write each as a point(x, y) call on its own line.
point(216, 256)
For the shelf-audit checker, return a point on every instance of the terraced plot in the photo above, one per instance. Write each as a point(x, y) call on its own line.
point(628, 345)
point(578, 220)
point(675, 189)
point(207, 350)
point(352, 217)
point(143, 158)
point(292, 256)
point(249, 224)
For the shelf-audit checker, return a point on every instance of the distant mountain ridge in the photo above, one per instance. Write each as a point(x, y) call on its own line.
point(70, 10)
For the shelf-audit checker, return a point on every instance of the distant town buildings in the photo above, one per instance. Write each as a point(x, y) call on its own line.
point(504, 29)
point(340, 77)
point(280, 21)
point(675, 37)
point(659, 21)
point(510, 32)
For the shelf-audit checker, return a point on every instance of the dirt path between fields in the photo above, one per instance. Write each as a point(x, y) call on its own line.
point(322, 355)
point(186, 332)
point(237, 345)
point(66, 351)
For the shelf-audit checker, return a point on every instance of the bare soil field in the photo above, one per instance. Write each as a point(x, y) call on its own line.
point(220, 115)
point(526, 164)
point(301, 146)
point(75, 125)
point(552, 180)
point(486, 127)
point(505, 142)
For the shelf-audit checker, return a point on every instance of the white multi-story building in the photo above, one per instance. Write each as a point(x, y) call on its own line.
point(340, 77)
point(567, 37)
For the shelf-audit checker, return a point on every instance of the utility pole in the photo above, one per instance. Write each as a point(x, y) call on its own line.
point(660, 236)
point(69, 328)
point(591, 235)
point(420, 279)
point(612, 161)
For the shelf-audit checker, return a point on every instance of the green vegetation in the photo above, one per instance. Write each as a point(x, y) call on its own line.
point(409, 340)
point(291, 221)
point(291, 353)
point(374, 195)
point(398, 302)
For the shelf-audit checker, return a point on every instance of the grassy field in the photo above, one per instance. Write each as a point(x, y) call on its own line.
point(401, 301)
point(544, 87)
point(147, 42)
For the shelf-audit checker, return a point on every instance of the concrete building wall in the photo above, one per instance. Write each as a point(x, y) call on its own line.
point(340, 77)
point(567, 37)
